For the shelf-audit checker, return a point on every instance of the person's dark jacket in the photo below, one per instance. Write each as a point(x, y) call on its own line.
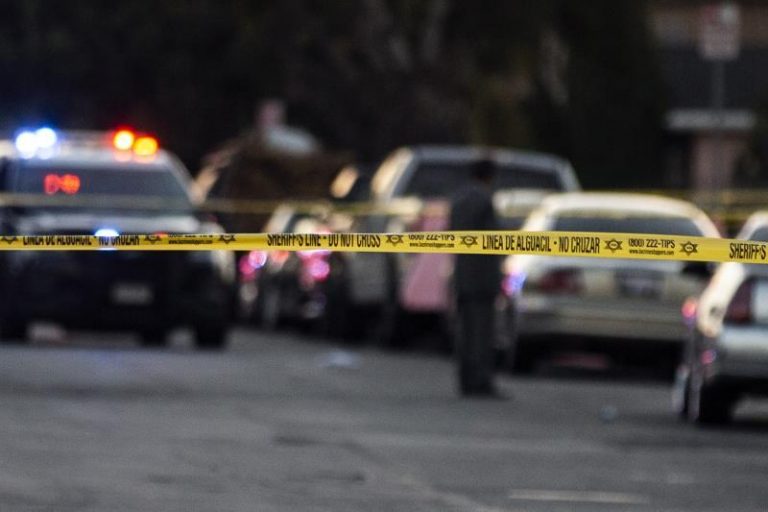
point(472, 209)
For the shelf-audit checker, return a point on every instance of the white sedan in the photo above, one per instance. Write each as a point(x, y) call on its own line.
point(726, 357)
point(627, 308)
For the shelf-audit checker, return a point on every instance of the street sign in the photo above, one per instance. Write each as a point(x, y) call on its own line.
point(719, 32)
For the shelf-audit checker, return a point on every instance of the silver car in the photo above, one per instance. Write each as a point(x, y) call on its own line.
point(726, 356)
point(628, 308)
point(414, 184)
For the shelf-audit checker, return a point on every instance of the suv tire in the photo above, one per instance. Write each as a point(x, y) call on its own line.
point(211, 336)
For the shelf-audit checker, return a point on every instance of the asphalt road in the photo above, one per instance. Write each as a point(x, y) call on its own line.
point(283, 423)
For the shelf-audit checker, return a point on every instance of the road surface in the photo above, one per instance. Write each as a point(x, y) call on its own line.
point(283, 423)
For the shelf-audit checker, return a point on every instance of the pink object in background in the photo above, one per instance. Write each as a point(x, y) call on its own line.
point(425, 284)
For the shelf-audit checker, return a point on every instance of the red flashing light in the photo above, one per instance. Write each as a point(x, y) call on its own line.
point(123, 140)
point(68, 183)
point(126, 140)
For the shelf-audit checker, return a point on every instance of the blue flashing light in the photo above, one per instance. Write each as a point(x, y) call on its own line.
point(29, 142)
point(26, 143)
point(513, 283)
point(107, 232)
point(46, 138)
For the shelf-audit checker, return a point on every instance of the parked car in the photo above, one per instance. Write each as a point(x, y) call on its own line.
point(281, 288)
point(726, 354)
point(410, 191)
point(626, 308)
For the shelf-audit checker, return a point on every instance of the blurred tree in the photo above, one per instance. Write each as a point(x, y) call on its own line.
point(607, 116)
point(366, 75)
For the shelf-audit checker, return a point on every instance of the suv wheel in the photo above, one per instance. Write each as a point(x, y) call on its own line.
point(708, 404)
point(210, 336)
point(154, 338)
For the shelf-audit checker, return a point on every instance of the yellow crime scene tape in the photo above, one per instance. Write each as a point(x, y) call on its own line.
point(551, 243)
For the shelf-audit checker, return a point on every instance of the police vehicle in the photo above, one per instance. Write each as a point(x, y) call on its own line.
point(106, 184)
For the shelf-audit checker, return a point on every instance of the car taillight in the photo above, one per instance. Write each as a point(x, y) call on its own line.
point(279, 257)
point(565, 281)
point(251, 263)
point(688, 309)
point(315, 267)
point(319, 269)
point(740, 309)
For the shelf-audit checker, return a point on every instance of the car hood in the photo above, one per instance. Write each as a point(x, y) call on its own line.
point(89, 222)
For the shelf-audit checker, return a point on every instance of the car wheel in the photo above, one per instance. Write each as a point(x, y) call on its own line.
point(210, 336)
point(14, 330)
point(519, 358)
point(708, 404)
point(392, 327)
point(680, 392)
point(333, 321)
point(154, 338)
point(270, 310)
point(449, 331)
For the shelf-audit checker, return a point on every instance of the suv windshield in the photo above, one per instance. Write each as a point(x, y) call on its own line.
point(69, 180)
point(635, 224)
point(760, 235)
point(442, 179)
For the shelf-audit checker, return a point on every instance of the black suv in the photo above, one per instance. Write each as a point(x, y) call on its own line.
point(83, 183)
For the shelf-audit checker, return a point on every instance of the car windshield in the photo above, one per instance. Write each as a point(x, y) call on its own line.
point(620, 223)
point(70, 180)
point(442, 179)
point(760, 235)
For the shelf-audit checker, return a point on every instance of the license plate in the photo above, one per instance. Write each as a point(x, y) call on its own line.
point(132, 294)
point(639, 285)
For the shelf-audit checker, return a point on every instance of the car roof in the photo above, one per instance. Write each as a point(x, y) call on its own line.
point(91, 157)
point(618, 202)
point(87, 149)
point(755, 221)
point(469, 153)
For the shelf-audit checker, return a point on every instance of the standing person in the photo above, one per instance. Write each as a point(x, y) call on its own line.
point(476, 279)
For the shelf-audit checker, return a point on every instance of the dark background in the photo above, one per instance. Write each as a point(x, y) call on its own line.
point(362, 76)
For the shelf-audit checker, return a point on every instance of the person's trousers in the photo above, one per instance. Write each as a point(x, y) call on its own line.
point(475, 350)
